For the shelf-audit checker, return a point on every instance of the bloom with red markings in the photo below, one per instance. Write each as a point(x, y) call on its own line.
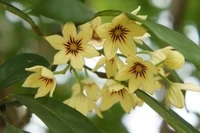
point(42, 78)
point(139, 73)
point(73, 47)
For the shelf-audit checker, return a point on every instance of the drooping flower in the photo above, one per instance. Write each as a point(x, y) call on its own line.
point(42, 78)
point(139, 73)
point(83, 104)
point(174, 95)
point(91, 88)
point(112, 65)
point(114, 92)
point(95, 40)
point(118, 35)
point(72, 46)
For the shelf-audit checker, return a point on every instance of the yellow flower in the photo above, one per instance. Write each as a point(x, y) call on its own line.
point(72, 46)
point(139, 73)
point(95, 40)
point(42, 78)
point(114, 92)
point(174, 95)
point(118, 35)
point(83, 104)
point(112, 65)
point(174, 60)
point(90, 87)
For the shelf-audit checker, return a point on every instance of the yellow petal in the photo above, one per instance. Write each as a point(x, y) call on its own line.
point(128, 48)
point(96, 22)
point(107, 101)
point(99, 64)
point(97, 111)
point(69, 29)
point(186, 86)
point(111, 68)
point(36, 69)
point(123, 73)
point(176, 97)
point(32, 81)
point(133, 84)
point(148, 84)
point(103, 30)
point(89, 51)
point(77, 61)
point(121, 19)
point(133, 59)
point(110, 49)
point(134, 12)
point(126, 103)
point(135, 29)
point(43, 90)
point(150, 67)
point(61, 58)
point(119, 62)
point(47, 73)
point(85, 35)
point(144, 17)
point(56, 41)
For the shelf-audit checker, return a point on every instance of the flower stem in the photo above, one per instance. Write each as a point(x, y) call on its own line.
point(62, 71)
point(77, 78)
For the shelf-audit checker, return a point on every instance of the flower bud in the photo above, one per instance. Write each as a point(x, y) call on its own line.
point(174, 60)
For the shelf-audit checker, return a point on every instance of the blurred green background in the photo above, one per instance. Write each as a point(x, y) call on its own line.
point(17, 37)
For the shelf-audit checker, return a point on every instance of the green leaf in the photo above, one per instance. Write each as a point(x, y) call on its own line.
point(58, 117)
point(64, 10)
point(178, 123)
point(21, 14)
point(12, 129)
point(13, 69)
point(180, 42)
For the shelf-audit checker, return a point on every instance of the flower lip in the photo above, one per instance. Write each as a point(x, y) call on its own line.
point(73, 46)
point(96, 37)
point(118, 33)
point(138, 70)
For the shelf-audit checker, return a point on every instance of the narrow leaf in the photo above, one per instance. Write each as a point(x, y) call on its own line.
point(21, 14)
point(12, 129)
point(64, 10)
point(58, 117)
point(13, 69)
point(178, 123)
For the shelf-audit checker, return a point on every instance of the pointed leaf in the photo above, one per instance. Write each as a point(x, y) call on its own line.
point(58, 117)
point(64, 10)
point(13, 69)
point(178, 123)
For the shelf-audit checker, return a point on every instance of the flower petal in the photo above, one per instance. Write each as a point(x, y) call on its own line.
point(123, 73)
point(176, 97)
point(32, 81)
point(61, 58)
point(133, 84)
point(134, 12)
point(110, 49)
point(107, 101)
point(77, 61)
point(36, 69)
point(111, 67)
point(100, 63)
point(128, 48)
point(89, 51)
point(85, 35)
point(56, 41)
point(126, 102)
point(69, 29)
point(96, 22)
point(47, 73)
point(102, 30)
point(43, 90)
point(121, 19)
point(135, 29)
point(186, 86)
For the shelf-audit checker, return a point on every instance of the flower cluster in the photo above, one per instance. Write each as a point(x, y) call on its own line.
point(125, 70)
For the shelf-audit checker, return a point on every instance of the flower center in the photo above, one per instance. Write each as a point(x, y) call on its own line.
point(47, 81)
point(73, 46)
point(138, 70)
point(118, 33)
